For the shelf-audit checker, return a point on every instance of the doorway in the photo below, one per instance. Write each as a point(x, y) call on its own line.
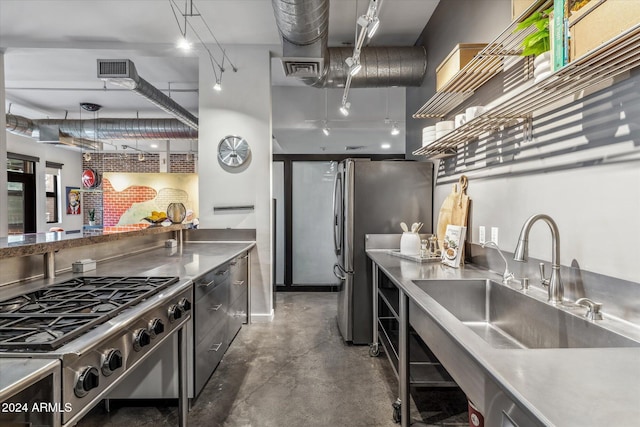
point(304, 248)
point(21, 187)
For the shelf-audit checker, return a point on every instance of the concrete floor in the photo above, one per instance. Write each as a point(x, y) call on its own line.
point(294, 371)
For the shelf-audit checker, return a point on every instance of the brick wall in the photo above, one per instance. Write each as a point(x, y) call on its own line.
point(180, 163)
point(117, 202)
point(120, 162)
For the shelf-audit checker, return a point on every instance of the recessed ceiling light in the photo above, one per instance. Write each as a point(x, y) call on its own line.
point(153, 145)
point(385, 146)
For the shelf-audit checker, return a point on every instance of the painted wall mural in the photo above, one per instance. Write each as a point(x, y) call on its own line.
point(128, 198)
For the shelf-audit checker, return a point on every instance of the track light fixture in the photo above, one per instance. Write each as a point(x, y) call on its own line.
point(344, 108)
point(366, 27)
point(394, 129)
point(353, 62)
point(191, 11)
point(373, 27)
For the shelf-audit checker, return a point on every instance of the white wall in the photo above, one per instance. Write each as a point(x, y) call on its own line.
point(243, 108)
point(70, 177)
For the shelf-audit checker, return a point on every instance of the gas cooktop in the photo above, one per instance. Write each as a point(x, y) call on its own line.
point(48, 318)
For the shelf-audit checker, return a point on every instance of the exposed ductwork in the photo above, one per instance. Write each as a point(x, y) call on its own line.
point(100, 129)
point(304, 25)
point(122, 72)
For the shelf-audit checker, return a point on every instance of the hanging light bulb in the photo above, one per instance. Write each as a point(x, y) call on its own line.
point(141, 157)
point(217, 87)
point(394, 130)
point(86, 157)
point(184, 43)
point(326, 131)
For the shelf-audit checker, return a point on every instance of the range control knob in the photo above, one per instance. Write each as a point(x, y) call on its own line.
point(88, 379)
point(141, 338)
point(184, 304)
point(175, 312)
point(156, 327)
point(111, 361)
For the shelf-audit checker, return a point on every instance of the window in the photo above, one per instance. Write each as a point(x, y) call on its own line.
point(21, 190)
point(52, 190)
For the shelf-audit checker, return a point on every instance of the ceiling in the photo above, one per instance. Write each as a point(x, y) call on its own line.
point(52, 48)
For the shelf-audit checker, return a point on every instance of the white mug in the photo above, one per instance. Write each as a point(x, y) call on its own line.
point(473, 112)
point(460, 119)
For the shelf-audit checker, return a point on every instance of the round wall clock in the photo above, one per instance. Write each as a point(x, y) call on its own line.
point(233, 150)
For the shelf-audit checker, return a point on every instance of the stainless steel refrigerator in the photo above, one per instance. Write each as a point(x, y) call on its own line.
point(372, 197)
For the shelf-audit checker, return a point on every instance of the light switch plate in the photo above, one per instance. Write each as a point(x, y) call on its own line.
point(482, 234)
point(494, 235)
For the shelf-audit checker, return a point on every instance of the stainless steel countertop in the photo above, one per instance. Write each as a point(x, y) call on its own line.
point(187, 262)
point(40, 243)
point(561, 387)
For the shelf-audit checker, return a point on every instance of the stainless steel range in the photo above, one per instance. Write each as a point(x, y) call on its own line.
point(99, 327)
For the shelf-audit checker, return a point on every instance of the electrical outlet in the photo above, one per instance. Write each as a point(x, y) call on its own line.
point(494, 235)
point(482, 234)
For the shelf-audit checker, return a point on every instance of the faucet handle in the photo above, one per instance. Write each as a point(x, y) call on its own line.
point(543, 279)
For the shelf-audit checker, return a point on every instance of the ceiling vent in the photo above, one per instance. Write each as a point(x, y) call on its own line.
point(303, 67)
point(122, 72)
point(115, 68)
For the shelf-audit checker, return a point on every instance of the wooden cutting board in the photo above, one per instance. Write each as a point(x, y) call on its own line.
point(454, 209)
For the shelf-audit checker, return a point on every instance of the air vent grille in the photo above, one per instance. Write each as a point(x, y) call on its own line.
point(113, 68)
point(302, 67)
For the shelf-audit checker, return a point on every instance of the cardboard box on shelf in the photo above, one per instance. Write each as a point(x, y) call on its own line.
point(455, 61)
point(518, 7)
point(600, 21)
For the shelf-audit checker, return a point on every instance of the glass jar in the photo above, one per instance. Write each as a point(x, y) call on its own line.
point(424, 249)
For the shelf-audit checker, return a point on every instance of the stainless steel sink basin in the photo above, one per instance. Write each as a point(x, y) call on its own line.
point(506, 318)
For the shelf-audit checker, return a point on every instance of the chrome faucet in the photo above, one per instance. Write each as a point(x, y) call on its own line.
point(507, 276)
point(554, 283)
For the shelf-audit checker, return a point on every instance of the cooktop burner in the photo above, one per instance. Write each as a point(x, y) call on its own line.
point(46, 319)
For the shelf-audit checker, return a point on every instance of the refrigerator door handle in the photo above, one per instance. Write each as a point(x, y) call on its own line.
point(337, 212)
point(339, 272)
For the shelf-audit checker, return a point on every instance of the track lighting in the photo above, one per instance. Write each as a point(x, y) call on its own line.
point(354, 65)
point(363, 21)
point(394, 129)
point(344, 109)
point(373, 27)
point(355, 69)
